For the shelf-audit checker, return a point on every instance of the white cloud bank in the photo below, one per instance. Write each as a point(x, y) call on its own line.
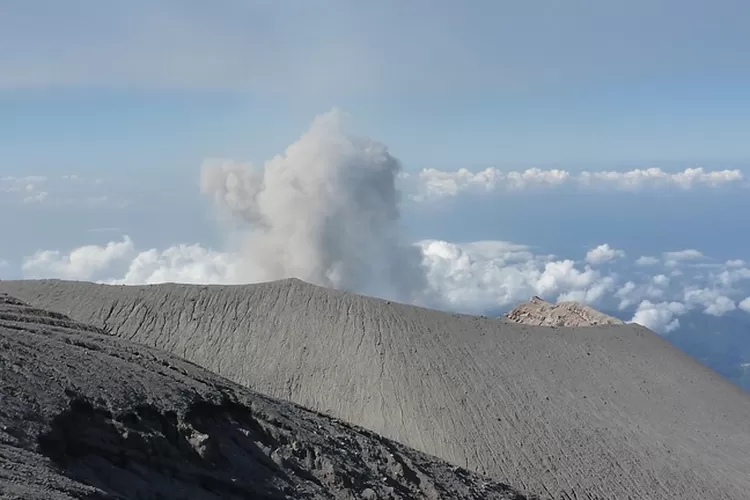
point(492, 275)
point(83, 263)
point(429, 185)
point(659, 317)
point(327, 211)
point(480, 277)
point(689, 254)
point(604, 253)
point(470, 277)
point(434, 184)
point(646, 260)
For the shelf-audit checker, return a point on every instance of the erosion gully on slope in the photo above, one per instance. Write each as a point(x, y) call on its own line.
point(611, 411)
point(87, 415)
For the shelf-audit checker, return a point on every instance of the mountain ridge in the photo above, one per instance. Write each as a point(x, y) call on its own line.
point(87, 415)
point(596, 412)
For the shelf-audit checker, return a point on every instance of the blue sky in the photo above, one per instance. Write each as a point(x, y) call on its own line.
point(111, 114)
point(141, 85)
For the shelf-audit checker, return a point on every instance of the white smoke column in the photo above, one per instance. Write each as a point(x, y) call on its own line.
point(326, 211)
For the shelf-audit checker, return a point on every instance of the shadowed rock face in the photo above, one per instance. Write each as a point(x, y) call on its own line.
point(86, 415)
point(609, 411)
point(539, 312)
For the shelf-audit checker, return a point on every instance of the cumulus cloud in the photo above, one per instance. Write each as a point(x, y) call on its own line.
point(469, 277)
point(326, 211)
point(560, 276)
point(118, 262)
point(660, 317)
point(720, 306)
point(660, 280)
point(83, 263)
point(482, 276)
point(734, 263)
point(676, 259)
point(733, 274)
point(632, 293)
point(182, 264)
point(478, 277)
point(603, 253)
point(435, 184)
point(713, 290)
point(689, 254)
point(647, 261)
point(713, 301)
point(627, 295)
point(656, 177)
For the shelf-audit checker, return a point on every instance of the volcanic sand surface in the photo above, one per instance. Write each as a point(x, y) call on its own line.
point(595, 412)
point(86, 415)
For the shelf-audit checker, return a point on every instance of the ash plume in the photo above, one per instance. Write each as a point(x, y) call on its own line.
point(326, 211)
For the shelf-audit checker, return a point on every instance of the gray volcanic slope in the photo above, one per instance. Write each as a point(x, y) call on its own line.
point(581, 413)
point(87, 415)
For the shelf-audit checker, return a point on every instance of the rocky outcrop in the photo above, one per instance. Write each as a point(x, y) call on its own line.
point(539, 312)
point(87, 415)
point(601, 412)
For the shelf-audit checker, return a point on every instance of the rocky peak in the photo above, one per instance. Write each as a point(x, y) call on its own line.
point(538, 311)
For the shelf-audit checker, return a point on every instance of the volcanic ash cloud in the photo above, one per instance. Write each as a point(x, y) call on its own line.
point(326, 211)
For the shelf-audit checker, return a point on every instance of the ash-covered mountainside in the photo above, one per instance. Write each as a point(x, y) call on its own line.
point(601, 412)
point(539, 312)
point(84, 415)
